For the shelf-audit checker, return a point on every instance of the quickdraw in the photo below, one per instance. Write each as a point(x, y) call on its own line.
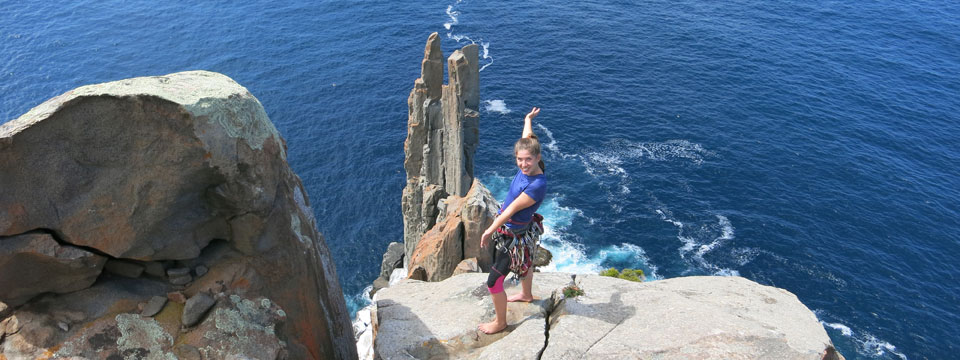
point(521, 245)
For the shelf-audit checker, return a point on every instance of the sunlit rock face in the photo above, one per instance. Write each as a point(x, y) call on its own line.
point(180, 183)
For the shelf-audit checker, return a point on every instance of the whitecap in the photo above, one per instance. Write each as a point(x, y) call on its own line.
point(497, 106)
point(868, 345)
point(845, 330)
point(876, 347)
point(693, 250)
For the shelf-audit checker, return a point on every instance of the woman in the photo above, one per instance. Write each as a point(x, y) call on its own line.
point(517, 227)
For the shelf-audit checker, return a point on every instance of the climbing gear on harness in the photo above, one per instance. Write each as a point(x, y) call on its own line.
point(521, 245)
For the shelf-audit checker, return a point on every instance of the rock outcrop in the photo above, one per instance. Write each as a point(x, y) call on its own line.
point(456, 235)
point(442, 136)
point(681, 318)
point(181, 183)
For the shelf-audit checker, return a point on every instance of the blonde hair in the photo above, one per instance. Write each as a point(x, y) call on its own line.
point(530, 144)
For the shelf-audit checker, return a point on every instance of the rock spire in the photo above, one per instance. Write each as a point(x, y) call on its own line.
point(442, 136)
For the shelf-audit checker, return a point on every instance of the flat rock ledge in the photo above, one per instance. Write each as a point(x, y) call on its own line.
point(699, 317)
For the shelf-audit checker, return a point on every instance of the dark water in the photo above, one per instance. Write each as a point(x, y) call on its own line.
point(806, 145)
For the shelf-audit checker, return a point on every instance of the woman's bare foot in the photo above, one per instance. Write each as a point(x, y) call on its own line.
point(492, 327)
point(520, 297)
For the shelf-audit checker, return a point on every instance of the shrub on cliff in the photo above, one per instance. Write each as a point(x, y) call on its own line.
point(572, 291)
point(627, 274)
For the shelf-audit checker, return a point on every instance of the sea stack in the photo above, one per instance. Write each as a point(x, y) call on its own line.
point(442, 136)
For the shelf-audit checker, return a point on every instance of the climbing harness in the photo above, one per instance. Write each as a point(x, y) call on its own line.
point(521, 245)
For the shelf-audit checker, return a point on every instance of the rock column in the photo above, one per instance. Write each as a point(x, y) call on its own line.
point(442, 134)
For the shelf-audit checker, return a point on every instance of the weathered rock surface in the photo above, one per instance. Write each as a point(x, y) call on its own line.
point(183, 167)
point(542, 257)
point(441, 248)
point(441, 137)
point(236, 327)
point(196, 308)
point(392, 259)
point(34, 263)
point(439, 320)
point(682, 318)
point(154, 306)
point(456, 235)
point(478, 213)
point(466, 266)
point(240, 326)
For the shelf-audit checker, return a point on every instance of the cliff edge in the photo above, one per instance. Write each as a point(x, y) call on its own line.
point(157, 217)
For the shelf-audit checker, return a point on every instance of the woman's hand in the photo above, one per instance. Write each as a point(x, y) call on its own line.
point(528, 123)
point(533, 113)
point(486, 237)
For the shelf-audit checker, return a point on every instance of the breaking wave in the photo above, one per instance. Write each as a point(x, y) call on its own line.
point(866, 344)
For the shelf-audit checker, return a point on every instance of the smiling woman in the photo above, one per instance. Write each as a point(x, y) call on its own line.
point(517, 228)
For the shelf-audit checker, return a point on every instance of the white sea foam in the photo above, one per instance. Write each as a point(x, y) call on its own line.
point(744, 256)
point(630, 253)
point(486, 54)
point(454, 14)
point(572, 257)
point(568, 256)
point(605, 163)
point(551, 144)
point(454, 17)
point(726, 234)
point(694, 247)
point(868, 345)
point(845, 330)
point(497, 106)
point(877, 347)
point(610, 163)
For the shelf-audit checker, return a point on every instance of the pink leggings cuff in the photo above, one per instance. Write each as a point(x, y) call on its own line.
point(497, 286)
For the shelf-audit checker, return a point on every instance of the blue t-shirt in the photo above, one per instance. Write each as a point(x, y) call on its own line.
point(535, 187)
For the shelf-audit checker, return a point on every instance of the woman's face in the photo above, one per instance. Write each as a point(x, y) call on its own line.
point(527, 163)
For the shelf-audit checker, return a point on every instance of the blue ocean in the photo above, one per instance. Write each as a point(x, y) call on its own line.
point(810, 146)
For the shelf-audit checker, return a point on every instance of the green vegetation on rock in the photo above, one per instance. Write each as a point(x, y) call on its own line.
point(572, 291)
point(627, 274)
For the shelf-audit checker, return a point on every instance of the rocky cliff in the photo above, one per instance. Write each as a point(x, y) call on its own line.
point(682, 318)
point(442, 136)
point(157, 217)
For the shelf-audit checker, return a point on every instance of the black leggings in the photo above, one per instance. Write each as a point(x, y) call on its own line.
point(499, 271)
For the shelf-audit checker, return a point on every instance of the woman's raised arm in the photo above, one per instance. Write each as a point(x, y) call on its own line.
point(528, 123)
